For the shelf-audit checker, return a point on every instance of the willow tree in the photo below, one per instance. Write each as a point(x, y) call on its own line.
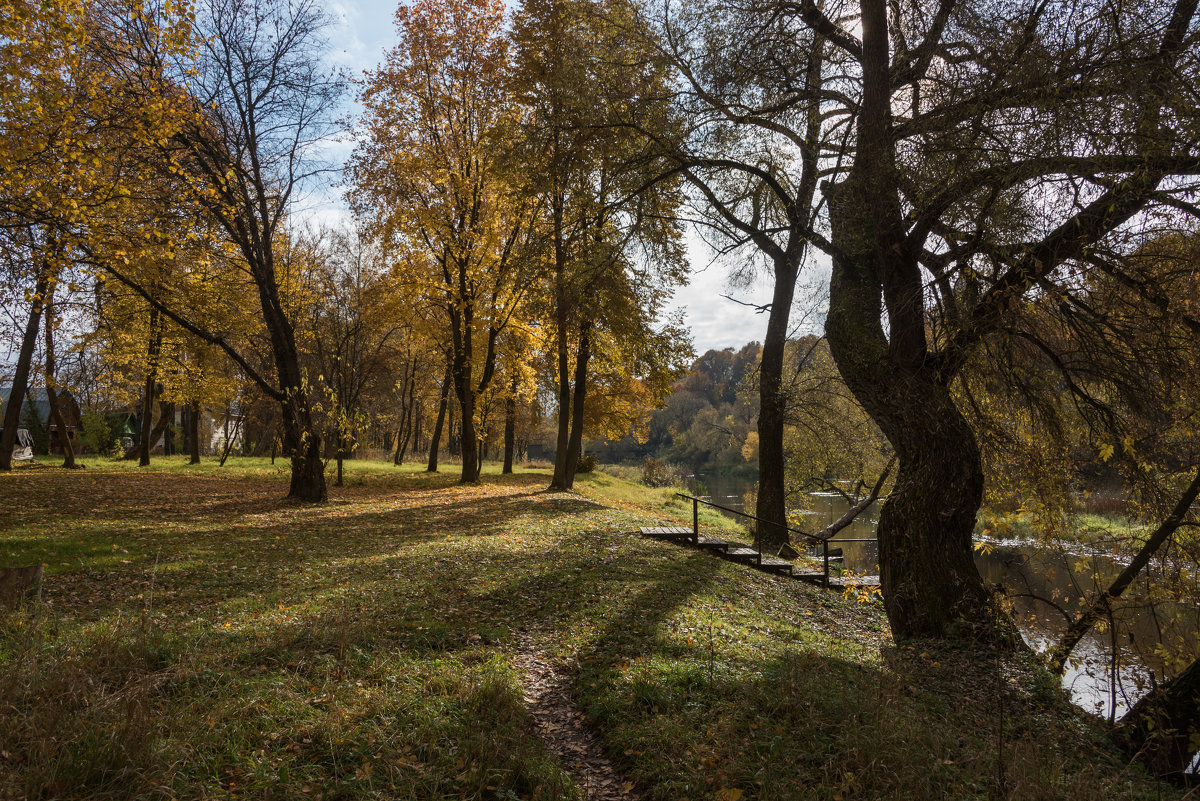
point(428, 182)
point(982, 153)
point(996, 146)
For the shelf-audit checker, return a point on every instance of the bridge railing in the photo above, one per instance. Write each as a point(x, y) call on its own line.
point(814, 539)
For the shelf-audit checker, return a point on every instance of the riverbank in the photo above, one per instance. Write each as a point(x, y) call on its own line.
point(199, 637)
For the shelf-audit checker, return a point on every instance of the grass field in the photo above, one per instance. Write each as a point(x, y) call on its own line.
point(201, 637)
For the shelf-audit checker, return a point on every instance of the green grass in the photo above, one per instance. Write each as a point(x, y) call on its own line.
point(1113, 533)
point(201, 637)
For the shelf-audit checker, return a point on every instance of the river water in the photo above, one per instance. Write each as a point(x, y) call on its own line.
point(1065, 575)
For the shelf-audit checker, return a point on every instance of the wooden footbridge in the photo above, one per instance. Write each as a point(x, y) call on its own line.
point(770, 563)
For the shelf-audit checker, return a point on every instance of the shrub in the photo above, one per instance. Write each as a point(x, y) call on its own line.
point(586, 463)
point(98, 435)
point(656, 473)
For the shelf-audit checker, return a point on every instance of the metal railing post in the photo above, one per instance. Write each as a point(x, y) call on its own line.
point(695, 519)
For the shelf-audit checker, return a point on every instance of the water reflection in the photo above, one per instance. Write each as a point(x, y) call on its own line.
point(1047, 586)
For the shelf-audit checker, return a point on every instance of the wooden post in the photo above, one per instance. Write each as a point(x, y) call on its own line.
point(825, 549)
point(695, 519)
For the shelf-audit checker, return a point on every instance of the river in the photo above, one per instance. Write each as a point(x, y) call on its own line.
point(1064, 574)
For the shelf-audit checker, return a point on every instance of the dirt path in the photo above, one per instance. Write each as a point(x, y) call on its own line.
point(560, 724)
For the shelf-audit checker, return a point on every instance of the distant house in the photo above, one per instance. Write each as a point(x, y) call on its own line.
point(41, 404)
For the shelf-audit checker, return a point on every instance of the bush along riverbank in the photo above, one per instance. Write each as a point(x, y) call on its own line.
point(200, 637)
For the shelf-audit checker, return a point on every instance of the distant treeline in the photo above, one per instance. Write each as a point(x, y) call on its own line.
point(708, 423)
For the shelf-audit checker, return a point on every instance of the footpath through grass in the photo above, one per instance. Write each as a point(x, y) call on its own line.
point(201, 638)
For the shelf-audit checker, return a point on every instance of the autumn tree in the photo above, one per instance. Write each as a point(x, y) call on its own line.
point(49, 158)
point(924, 195)
point(1099, 380)
point(610, 223)
point(429, 185)
point(255, 102)
point(760, 128)
point(353, 327)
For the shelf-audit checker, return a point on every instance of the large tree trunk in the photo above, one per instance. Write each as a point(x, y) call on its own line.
point(194, 433)
point(56, 415)
point(153, 348)
point(1163, 727)
point(771, 505)
point(308, 469)
point(464, 388)
point(578, 400)
point(435, 439)
point(559, 481)
point(510, 425)
point(469, 442)
point(20, 380)
point(930, 585)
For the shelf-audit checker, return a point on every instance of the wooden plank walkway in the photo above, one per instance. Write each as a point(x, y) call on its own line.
point(713, 543)
point(730, 550)
point(667, 532)
point(739, 552)
point(842, 582)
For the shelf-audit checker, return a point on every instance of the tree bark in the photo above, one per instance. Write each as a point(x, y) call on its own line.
point(153, 347)
point(510, 425)
point(435, 439)
point(166, 411)
point(56, 414)
point(930, 585)
point(771, 504)
point(464, 389)
point(194, 433)
point(578, 400)
point(308, 469)
point(1162, 729)
point(20, 381)
point(559, 481)
point(462, 332)
point(469, 442)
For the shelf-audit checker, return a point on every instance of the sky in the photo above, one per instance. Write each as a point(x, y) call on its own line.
point(365, 32)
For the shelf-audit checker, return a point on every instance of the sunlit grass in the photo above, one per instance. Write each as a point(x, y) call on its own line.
point(202, 637)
